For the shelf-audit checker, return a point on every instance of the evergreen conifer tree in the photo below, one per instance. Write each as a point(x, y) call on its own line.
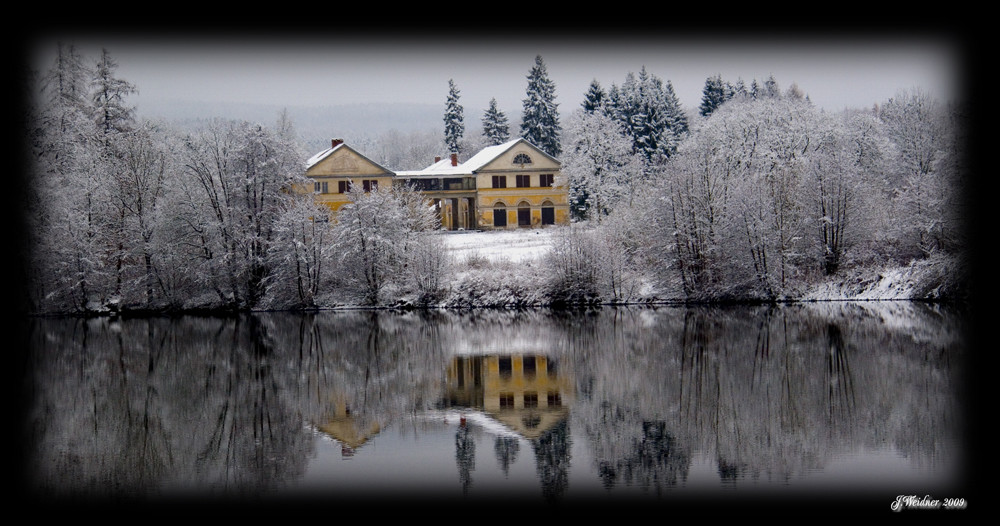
point(594, 98)
point(650, 114)
point(771, 88)
point(454, 119)
point(540, 116)
point(739, 89)
point(495, 128)
point(713, 95)
point(111, 113)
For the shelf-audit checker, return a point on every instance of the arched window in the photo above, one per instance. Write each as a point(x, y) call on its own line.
point(522, 158)
point(523, 214)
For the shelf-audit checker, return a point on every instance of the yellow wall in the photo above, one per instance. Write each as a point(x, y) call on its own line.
point(511, 196)
point(344, 164)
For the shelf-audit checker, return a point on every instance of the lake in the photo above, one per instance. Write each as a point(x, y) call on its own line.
point(664, 405)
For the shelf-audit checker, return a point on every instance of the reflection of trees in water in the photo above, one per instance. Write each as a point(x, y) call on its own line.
point(841, 399)
point(506, 449)
point(625, 390)
point(381, 365)
point(150, 411)
point(465, 457)
point(770, 392)
point(145, 405)
point(212, 405)
point(552, 461)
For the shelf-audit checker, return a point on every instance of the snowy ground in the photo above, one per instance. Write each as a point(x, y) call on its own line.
point(516, 246)
point(495, 264)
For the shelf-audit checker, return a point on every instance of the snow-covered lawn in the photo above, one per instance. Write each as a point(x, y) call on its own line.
point(515, 246)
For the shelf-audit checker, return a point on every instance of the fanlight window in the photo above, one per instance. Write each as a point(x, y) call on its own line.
point(522, 158)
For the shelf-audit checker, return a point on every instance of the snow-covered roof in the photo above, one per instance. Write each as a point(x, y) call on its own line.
point(321, 155)
point(442, 167)
point(488, 154)
point(469, 167)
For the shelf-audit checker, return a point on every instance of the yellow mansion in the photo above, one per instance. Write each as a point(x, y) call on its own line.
point(508, 186)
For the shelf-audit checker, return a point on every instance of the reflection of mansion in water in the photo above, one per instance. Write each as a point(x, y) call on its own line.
point(346, 428)
point(525, 392)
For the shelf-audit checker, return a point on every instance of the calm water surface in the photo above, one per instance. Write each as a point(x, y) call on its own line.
point(651, 404)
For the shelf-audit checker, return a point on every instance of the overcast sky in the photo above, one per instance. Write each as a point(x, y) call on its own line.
point(855, 69)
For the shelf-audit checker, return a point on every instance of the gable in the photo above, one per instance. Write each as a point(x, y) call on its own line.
point(345, 162)
point(513, 158)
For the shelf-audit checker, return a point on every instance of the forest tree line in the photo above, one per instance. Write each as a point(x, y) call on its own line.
point(756, 197)
point(762, 194)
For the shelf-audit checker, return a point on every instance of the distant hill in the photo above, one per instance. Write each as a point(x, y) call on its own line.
point(316, 125)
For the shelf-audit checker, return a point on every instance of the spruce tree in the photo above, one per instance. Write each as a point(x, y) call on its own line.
point(739, 89)
point(540, 116)
point(713, 95)
point(495, 128)
point(594, 98)
point(676, 120)
point(771, 88)
point(650, 113)
point(454, 119)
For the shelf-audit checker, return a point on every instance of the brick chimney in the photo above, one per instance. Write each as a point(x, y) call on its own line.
point(336, 142)
point(454, 159)
point(437, 159)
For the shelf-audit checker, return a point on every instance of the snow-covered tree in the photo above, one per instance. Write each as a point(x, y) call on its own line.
point(83, 115)
point(594, 99)
point(842, 183)
point(927, 179)
point(60, 132)
point(651, 115)
point(736, 217)
point(376, 236)
point(238, 187)
point(540, 116)
point(599, 165)
point(713, 95)
point(301, 255)
point(136, 187)
point(495, 128)
point(110, 108)
point(454, 119)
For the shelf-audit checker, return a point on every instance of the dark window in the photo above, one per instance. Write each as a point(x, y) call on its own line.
point(505, 366)
point(499, 181)
point(548, 216)
point(523, 181)
point(528, 365)
point(530, 399)
point(522, 158)
point(370, 185)
point(342, 187)
point(545, 179)
point(316, 187)
point(523, 217)
point(554, 399)
point(506, 399)
point(499, 216)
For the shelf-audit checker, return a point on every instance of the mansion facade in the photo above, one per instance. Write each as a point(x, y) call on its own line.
point(508, 186)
